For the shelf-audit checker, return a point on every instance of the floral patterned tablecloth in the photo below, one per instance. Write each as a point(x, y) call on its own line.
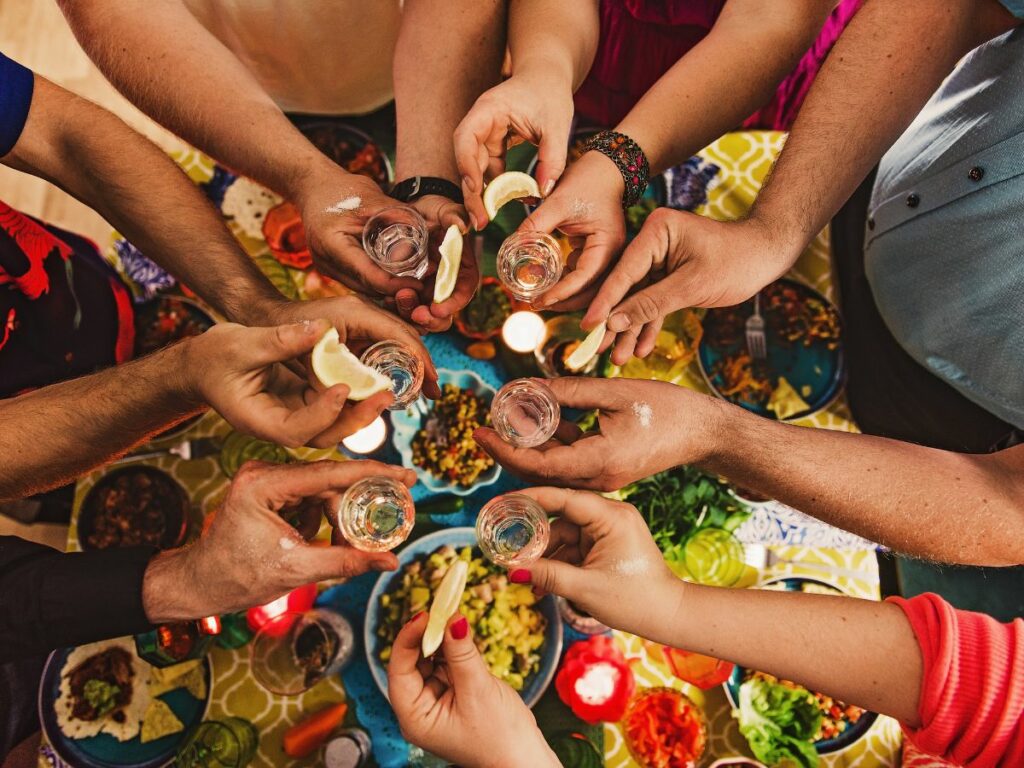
point(744, 160)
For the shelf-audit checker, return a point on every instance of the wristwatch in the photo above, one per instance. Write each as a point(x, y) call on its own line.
point(416, 187)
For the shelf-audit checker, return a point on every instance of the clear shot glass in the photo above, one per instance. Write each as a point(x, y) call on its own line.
point(512, 530)
point(525, 413)
point(396, 240)
point(376, 514)
point(529, 263)
point(399, 364)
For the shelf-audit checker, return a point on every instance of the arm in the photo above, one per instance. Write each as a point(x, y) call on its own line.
point(552, 46)
point(50, 600)
point(908, 497)
point(168, 64)
point(876, 79)
point(54, 434)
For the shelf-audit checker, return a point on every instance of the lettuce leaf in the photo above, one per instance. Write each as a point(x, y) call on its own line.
point(779, 723)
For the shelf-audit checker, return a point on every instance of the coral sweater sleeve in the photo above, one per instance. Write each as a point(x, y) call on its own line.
point(972, 695)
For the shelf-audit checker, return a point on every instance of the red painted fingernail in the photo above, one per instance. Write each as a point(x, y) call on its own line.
point(519, 576)
point(416, 618)
point(460, 628)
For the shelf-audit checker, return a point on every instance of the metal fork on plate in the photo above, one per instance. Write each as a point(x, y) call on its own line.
point(757, 344)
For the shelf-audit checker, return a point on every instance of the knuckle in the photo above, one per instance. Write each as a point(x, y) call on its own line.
point(646, 307)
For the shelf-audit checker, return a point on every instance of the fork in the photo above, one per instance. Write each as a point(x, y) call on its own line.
point(757, 345)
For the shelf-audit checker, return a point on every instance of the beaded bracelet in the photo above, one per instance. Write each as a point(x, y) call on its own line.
point(628, 158)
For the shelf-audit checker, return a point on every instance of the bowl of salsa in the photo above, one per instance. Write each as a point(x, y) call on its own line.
point(664, 729)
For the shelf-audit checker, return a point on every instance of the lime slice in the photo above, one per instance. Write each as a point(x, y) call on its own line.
point(448, 269)
point(333, 363)
point(507, 187)
point(446, 603)
point(714, 557)
point(586, 350)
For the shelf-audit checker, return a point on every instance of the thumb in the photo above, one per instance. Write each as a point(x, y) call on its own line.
point(277, 344)
point(344, 562)
point(554, 576)
point(645, 306)
point(467, 671)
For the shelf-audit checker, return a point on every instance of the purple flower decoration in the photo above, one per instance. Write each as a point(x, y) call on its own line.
point(151, 278)
point(688, 183)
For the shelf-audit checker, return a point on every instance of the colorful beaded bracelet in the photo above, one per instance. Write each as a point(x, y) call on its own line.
point(628, 158)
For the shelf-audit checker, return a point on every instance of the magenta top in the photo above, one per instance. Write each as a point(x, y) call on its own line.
point(643, 39)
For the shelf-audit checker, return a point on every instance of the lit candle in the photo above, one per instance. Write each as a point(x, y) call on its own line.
point(368, 439)
point(298, 600)
point(523, 331)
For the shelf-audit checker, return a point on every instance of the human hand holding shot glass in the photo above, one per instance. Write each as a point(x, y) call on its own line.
point(387, 371)
point(525, 413)
point(396, 239)
point(512, 530)
point(529, 262)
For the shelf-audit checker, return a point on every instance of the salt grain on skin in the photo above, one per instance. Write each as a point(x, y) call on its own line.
point(287, 542)
point(580, 210)
point(635, 566)
point(644, 413)
point(343, 206)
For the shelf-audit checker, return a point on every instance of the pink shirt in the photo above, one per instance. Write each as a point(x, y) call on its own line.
point(972, 693)
point(642, 39)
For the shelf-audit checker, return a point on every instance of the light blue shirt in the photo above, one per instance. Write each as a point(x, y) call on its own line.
point(944, 244)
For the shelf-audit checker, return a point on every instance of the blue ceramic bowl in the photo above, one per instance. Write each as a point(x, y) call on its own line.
point(536, 683)
point(826, 746)
point(408, 422)
point(816, 367)
point(104, 751)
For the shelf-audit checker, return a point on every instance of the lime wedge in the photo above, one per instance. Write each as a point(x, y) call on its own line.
point(509, 186)
point(586, 350)
point(714, 557)
point(448, 269)
point(446, 603)
point(333, 363)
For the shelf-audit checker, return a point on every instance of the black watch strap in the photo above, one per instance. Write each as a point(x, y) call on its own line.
point(416, 187)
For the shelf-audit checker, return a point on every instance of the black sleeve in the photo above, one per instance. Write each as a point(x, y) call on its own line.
point(50, 599)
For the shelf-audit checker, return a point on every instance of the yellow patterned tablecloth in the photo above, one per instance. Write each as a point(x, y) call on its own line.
point(744, 159)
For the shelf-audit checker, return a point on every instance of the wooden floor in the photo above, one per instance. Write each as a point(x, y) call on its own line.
point(34, 33)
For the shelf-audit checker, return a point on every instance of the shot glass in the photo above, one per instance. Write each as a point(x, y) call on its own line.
point(404, 369)
point(512, 530)
point(294, 651)
point(525, 413)
point(376, 514)
point(396, 240)
point(529, 263)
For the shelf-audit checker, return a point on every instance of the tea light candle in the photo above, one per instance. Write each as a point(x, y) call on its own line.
point(523, 331)
point(368, 439)
point(298, 600)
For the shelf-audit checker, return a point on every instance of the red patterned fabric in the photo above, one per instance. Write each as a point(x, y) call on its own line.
point(972, 694)
point(35, 244)
point(642, 39)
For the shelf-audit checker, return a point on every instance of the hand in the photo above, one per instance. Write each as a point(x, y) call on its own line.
point(335, 206)
point(359, 324)
point(455, 708)
point(644, 427)
point(587, 206)
point(419, 308)
point(239, 372)
point(527, 107)
point(250, 556)
point(682, 260)
point(602, 558)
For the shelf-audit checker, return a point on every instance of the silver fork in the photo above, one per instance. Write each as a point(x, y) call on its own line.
point(757, 344)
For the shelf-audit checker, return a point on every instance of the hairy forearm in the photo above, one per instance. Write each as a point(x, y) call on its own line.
point(97, 158)
point(447, 55)
point(888, 62)
point(882, 667)
point(554, 38)
point(724, 78)
point(52, 435)
point(945, 506)
point(160, 57)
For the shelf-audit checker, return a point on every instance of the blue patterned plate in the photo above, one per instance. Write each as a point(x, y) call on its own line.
point(536, 683)
point(408, 422)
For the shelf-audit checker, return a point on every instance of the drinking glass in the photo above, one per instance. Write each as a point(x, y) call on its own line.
point(529, 263)
point(562, 334)
point(294, 651)
point(376, 514)
point(227, 743)
point(512, 530)
point(400, 365)
point(525, 413)
point(396, 240)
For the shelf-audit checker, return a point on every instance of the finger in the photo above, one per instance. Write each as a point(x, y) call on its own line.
point(581, 508)
point(648, 337)
point(374, 323)
point(648, 248)
point(280, 343)
point(406, 301)
point(547, 217)
point(353, 418)
point(283, 484)
point(405, 681)
point(472, 154)
point(554, 146)
point(267, 417)
point(586, 393)
point(568, 431)
point(559, 578)
point(625, 343)
point(563, 534)
point(465, 285)
point(349, 263)
point(562, 464)
point(466, 668)
point(341, 562)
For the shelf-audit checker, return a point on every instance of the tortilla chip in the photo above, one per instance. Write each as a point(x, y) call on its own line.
point(193, 681)
point(74, 728)
point(785, 401)
point(168, 674)
point(159, 721)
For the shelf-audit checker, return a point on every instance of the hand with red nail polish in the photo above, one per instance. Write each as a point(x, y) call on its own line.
point(602, 558)
point(451, 705)
point(644, 427)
